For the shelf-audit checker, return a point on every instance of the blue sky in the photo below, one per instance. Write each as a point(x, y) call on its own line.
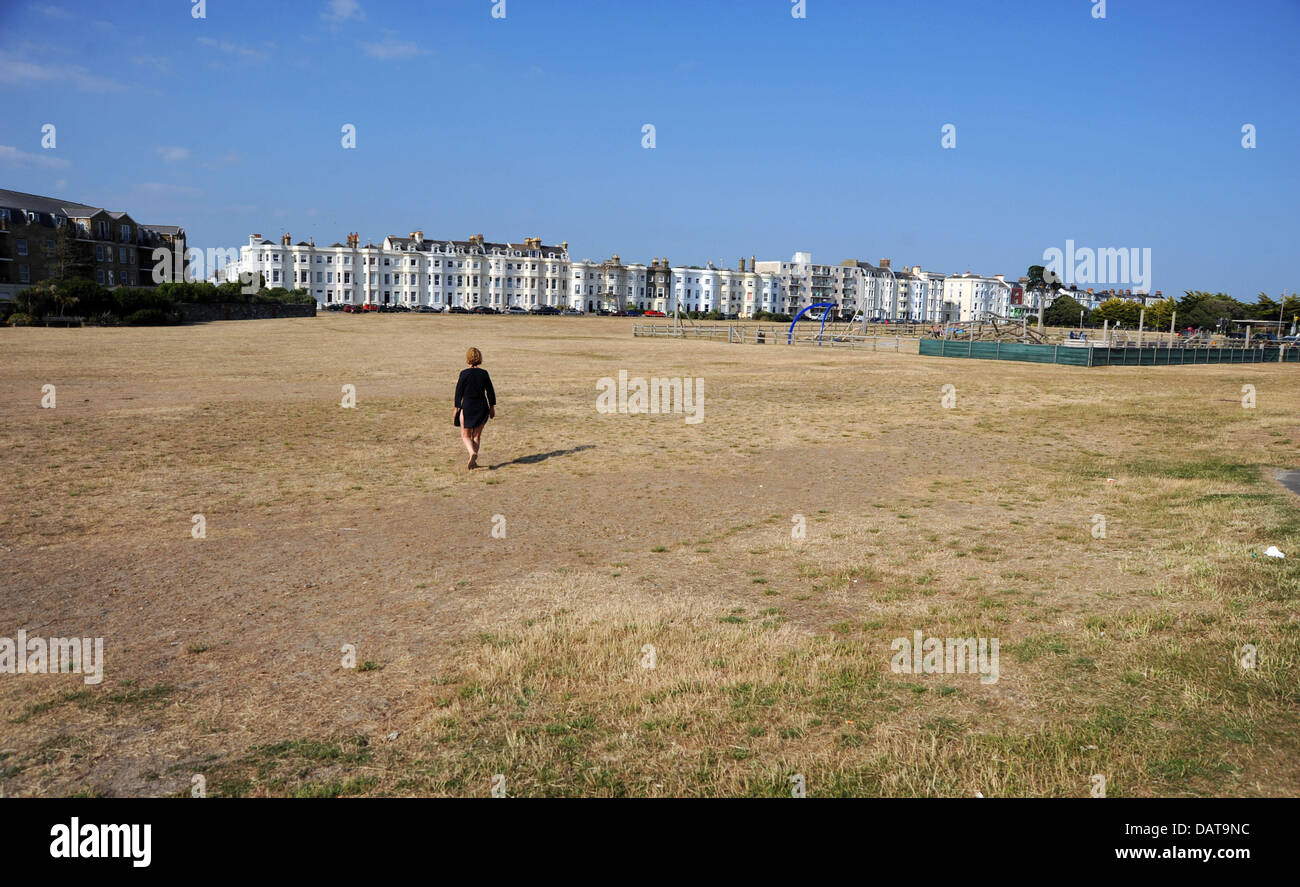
point(773, 134)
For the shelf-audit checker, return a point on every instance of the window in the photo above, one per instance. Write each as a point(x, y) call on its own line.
point(22, 247)
point(25, 274)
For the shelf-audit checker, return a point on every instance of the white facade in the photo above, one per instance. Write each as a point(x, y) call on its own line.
point(609, 285)
point(933, 307)
point(976, 296)
point(741, 291)
point(413, 271)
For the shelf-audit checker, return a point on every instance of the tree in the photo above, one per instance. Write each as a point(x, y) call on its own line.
point(1265, 308)
point(1035, 278)
point(1064, 311)
point(36, 301)
point(1161, 313)
point(71, 256)
point(1118, 311)
point(1205, 310)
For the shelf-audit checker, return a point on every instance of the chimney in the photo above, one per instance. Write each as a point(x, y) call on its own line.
point(884, 263)
point(284, 239)
point(564, 245)
point(741, 266)
point(752, 259)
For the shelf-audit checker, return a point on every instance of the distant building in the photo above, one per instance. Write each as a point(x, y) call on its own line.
point(608, 285)
point(412, 271)
point(742, 291)
point(976, 296)
point(117, 250)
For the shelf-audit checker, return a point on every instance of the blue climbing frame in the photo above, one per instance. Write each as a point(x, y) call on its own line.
point(827, 306)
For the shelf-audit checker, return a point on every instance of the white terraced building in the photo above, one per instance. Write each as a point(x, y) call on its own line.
point(413, 271)
point(609, 285)
point(975, 295)
point(802, 282)
point(857, 286)
point(741, 292)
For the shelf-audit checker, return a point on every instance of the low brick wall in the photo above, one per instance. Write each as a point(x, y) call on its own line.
point(202, 312)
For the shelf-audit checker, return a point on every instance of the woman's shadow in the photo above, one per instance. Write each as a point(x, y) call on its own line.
point(541, 457)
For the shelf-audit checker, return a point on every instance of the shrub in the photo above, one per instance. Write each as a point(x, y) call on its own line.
point(149, 317)
point(131, 300)
point(18, 318)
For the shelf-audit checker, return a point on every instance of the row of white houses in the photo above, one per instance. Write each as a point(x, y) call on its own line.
point(414, 271)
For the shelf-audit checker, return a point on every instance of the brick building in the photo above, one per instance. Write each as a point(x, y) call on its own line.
point(110, 248)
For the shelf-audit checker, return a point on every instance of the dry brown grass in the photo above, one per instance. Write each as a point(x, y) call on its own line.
point(521, 656)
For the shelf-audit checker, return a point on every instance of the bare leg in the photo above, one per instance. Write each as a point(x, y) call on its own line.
point(467, 439)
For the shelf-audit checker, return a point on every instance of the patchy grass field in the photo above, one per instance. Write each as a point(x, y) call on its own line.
point(523, 656)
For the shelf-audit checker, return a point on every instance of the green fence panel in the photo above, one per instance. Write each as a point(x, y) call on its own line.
point(1104, 356)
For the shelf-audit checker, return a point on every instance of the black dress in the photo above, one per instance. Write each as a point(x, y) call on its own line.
point(474, 395)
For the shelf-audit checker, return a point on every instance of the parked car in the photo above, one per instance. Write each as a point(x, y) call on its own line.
point(515, 309)
point(573, 312)
point(544, 309)
point(427, 309)
point(457, 309)
point(368, 307)
point(653, 313)
point(482, 309)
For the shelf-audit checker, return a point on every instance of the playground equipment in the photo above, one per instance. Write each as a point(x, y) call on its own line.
point(826, 307)
point(990, 327)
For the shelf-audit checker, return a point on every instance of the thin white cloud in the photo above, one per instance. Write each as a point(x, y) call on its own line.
point(249, 53)
point(338, 12)
point(391, 49)
point(52, 11)
point(172, 153)
point(18, 71)
point(11, 156)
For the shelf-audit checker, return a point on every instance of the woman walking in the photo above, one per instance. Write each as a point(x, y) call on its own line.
point(476, 402)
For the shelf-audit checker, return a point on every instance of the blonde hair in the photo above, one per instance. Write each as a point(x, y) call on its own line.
point(473, 357)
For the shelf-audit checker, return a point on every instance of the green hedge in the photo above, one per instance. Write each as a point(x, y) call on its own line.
point(138, 305)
